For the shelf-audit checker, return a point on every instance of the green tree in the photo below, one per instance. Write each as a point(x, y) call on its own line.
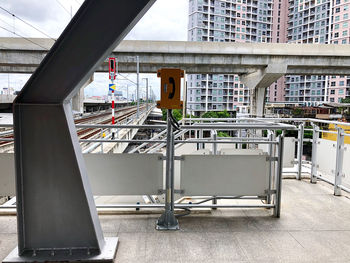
point(176, 113)
point(347, 100)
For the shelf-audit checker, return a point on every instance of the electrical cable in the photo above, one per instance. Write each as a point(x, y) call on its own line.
point(63, 7)
point(174, 122)
point(5, 22)
point(31, 41)
point(25, 22)
point(77, 2)
point(186, 213)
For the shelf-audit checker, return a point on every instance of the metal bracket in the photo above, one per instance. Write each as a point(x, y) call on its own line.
point(271, 159)
point(270, 191)
point(176, 158)
point(176, 191)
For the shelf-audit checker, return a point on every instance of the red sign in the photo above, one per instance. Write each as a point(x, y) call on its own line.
point(112, 64)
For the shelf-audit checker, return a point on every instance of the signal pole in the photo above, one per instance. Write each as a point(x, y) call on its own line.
point(112, 75)
point(138, 86)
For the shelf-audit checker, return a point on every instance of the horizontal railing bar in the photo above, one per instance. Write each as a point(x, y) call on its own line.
point(324, 179)
point(344, 188)
point(207, 126)
point(182, 141)
point(185, 206)
point(246, 119)
point(150, 206)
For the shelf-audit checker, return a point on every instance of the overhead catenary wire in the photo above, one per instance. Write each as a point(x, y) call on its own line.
point(77, 2)
point(65, 9)
point(27, 23)
point(29, 40)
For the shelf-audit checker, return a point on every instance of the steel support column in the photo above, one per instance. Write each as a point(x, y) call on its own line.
point(57, 218)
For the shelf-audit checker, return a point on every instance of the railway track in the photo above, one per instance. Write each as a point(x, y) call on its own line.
point(91, 132)
point(87, 133)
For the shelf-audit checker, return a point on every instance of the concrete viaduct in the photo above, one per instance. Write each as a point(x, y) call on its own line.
point(258, 64)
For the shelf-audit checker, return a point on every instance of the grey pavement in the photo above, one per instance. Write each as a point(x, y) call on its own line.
point(314, 227)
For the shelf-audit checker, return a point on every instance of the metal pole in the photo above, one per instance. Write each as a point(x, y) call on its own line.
point(277, 210)
point(138, 86)
point(168, 221)
point(201, 145)
point(316, 134)
point(113, 112)
point(339, 162)
point(102, 142)
point(147, 94)
point(215, 146)
point(127, 93)
point(271, 136)
point(300, 149)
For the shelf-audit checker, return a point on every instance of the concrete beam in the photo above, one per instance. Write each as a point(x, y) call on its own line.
point(258, 82)
point(20, 56)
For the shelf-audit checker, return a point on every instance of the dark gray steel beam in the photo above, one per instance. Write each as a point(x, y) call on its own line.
point(57, 218)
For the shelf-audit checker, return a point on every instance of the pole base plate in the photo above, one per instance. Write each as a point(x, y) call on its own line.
point(107, 254)
point(167, 221)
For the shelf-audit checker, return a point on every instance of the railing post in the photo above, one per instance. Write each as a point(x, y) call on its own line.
point(315, 138)
point(214, 137)
point(239, 146)
point(339, 161)
point(300, 149)
point(200, 145)
point(101, 142)
point(277, 209)
point(271, 136)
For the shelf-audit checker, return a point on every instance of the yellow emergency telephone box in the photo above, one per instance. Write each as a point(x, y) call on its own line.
point(170, 89)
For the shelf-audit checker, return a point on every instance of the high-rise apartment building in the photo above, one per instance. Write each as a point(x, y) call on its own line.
point(232, 21)
point(278, 21)
point(317, 22)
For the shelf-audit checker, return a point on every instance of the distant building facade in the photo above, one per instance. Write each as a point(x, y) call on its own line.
point(232, 21)
point(317, 22)
point(267, 21)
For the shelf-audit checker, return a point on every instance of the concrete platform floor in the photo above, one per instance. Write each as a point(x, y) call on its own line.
point(314, 227)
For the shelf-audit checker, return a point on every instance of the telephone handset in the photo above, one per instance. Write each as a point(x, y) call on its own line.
point(172, 93)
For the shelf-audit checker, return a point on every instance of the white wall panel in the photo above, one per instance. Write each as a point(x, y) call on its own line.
point(346, 166)
point(224, 174)
point(288, 151)
point(109, 174)
point(7, 174)
point(326, 155)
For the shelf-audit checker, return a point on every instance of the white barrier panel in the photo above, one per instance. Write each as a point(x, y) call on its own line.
point(109, 174)
point(224, 174)
point(7, 174)
point(288, 151)
point(346, 166)
point(326, 155)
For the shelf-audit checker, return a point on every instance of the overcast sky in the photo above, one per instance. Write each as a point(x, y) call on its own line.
point(166, 20)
